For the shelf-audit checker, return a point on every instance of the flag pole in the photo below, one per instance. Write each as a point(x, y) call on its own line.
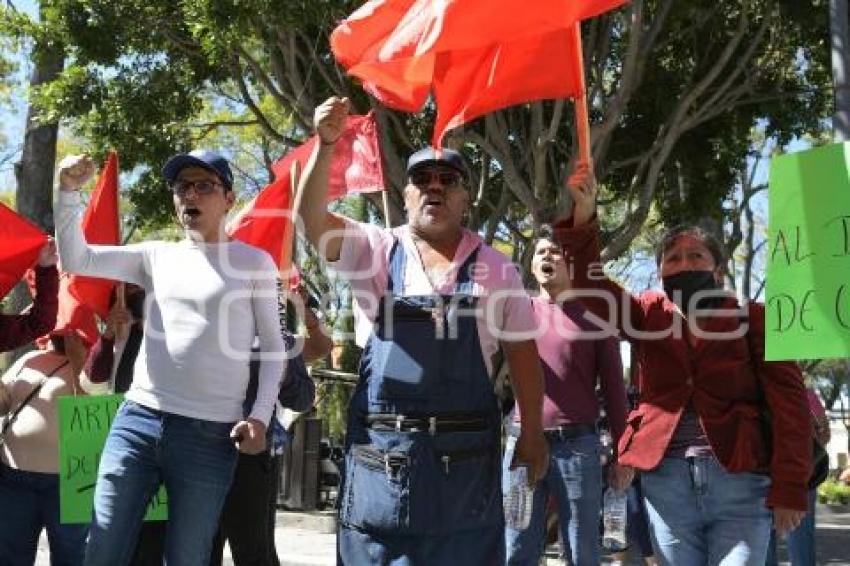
point(581, 113)
point(289, 227)
point(385, 199)
point(121, 330)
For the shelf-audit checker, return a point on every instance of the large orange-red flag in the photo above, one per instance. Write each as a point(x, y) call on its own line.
point(356, 168)
point(474, 56)
point(100, 225)
point(21, 242)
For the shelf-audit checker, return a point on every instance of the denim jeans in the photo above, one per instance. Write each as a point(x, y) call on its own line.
point(575, 481)
point(700, 515)
point(29, 502)
point(195, 459)
point(800, 541)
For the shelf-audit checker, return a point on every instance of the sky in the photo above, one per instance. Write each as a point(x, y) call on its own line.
point(13, 117)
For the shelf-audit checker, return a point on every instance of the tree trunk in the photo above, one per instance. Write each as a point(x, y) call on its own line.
point(34, 172)
point(840, 33)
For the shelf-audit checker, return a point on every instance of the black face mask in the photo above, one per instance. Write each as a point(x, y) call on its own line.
point(685, 284)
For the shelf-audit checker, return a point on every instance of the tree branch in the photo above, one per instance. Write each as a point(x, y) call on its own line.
point(248, 100)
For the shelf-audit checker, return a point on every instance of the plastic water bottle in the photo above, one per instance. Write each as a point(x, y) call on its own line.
point(614, 520)
point(518, 499)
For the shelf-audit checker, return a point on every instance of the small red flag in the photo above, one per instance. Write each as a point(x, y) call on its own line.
point(100, 226)
point(403, 50)
point(356, 168)
point(72, 316)
point(22, 241)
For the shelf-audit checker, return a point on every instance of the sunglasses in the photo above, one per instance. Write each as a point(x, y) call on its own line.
point(181, 188)
point(447, 179)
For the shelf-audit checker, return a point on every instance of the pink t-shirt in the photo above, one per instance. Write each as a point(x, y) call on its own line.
point(504, 311)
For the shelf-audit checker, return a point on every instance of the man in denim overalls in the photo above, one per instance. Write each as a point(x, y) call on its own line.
point(422, 479)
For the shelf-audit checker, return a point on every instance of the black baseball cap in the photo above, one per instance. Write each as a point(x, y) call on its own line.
point(209, 160)
point(428, 156)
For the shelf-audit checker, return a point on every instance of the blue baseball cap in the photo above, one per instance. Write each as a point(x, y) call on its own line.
point(209, 160)
point(428, 156)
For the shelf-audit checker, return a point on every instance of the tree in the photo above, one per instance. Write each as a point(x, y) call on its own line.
point(676, 88)
point(34, 171)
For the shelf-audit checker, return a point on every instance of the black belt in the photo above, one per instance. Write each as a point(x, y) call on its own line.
point(433, 424)
point(567, 431)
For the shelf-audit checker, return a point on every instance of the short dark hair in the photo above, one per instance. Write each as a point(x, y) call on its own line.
point(544, 232)
point(704, 236)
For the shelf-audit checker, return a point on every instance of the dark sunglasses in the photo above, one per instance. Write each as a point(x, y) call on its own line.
point(180, 187)
point(422, 179)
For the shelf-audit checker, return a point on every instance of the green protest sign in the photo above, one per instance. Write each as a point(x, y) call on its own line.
point(808, 264)
point(84, 422)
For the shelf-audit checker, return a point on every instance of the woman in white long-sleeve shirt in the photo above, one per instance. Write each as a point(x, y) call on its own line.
point(181, 423)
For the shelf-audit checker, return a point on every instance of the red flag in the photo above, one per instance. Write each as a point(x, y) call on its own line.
point(403, 50)
point(356, 168)
point(22, 241)
point(100, 226)
point(72, 316)
point(471, 83)
point(264, 220)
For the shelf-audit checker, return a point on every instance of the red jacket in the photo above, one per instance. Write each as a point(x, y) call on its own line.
point(717, 376)
point(16, 330)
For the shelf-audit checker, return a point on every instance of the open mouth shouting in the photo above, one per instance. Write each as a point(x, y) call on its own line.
point(190, 214)
point(547, 268)
point(433, 201)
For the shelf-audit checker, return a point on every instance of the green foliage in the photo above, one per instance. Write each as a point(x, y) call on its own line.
point(705, 161)
point(141, 73)
point(834, 492)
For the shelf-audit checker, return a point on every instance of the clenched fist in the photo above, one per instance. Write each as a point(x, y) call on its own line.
point(75, 171)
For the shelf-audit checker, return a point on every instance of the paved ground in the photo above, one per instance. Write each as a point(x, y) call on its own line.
point(308, 540)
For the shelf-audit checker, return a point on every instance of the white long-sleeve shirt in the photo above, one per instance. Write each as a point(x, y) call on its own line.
point(204, 305)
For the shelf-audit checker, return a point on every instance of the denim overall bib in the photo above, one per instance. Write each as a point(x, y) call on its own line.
point(422, 466)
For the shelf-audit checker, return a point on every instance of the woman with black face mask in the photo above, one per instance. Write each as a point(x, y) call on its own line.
point(713, 481)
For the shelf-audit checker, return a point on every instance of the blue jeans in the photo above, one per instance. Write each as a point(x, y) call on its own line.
point(575, 480)
point(195, 459)
point(800, 541)
point(29, 502)
point(700, 515)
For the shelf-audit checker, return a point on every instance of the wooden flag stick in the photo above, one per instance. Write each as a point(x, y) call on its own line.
point(122, 330)
point(582, 116)
point(385, 199)
point(289, 226)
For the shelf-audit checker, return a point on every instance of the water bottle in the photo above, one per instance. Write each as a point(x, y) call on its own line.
point(614, 520)
point(518, 499)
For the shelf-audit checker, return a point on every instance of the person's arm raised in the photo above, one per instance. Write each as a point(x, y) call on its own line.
point(124, 263)
point(581, 185)
point(321, 228)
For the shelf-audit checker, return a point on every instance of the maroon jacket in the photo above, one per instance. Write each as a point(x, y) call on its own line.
point(17, 330)
point(717, 376)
